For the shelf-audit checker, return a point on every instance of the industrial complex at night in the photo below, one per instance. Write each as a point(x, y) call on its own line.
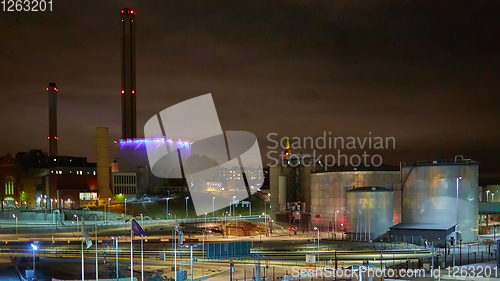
point(183, 199)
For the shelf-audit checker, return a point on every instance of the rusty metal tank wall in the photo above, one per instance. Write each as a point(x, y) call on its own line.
point(430, 195)
point(328, 194)
point(369, 213)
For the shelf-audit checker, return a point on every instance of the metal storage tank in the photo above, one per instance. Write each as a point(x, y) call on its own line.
point(369, 213)
point(442, 192)
point(328, 191)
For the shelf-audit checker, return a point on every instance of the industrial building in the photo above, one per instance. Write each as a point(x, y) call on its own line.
point(431, 200)
point(329, 192)
point(370, 213)
point(439, 200)
point(35, 180)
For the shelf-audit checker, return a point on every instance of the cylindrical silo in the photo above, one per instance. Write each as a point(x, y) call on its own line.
point(328, 193)
point(369, 212)
point(442, 192)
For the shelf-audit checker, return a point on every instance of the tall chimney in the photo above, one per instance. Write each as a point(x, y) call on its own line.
point(103, 171)
point(128, 90)
point(52, 90)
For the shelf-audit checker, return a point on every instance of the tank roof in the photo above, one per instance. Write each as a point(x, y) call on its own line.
point(440, 162)
point(361, 168)
point(370, 189)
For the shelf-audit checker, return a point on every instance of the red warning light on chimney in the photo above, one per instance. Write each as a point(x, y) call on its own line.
point(133, 92)
point(123, 91)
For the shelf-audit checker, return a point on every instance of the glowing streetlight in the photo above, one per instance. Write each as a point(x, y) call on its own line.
point(14, 216)
point(167, 207)
point(187, 207)
point(35, 248)
point(318, 241)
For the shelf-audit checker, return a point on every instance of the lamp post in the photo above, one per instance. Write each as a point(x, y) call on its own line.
point(487, 195)
point(203, 250)
point(458, 224)
point(142, 250)
point(167, 207)
point(265, 216)
point(109, 206)
point(187, 206)
point(335, 224)
point(51, 200)
point(76, 222)
point(14, 216)
point(234, 197)
point(318, 241)
point(213, 207)
point(125, 217)
point(35, 248)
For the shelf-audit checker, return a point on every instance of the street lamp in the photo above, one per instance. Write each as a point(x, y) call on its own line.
point(142, 250)
point(109, 206)
point(335, 224)
point(318, 241)
point(234, 197)
point(203, 251)
point(187, 207)
point(35, 248)
point(487, 195)
point(14, 216)
point(76, 223)
point(167, 206)
point(51, 200)
point(213, 207)
point(125, 217)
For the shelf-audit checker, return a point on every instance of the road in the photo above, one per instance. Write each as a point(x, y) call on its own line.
point(7, 270)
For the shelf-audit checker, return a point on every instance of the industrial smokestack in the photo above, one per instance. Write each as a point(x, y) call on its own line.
point(52, 91)
point(102, 143)
point(129, 127)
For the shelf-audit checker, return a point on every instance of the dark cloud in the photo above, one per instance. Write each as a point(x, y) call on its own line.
point(424, 72)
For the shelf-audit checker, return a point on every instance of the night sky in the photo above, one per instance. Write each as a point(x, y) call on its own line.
point(424, 72)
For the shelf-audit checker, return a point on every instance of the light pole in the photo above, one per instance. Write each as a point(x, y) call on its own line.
point(125, 217)
point(14, 216)
point(76, 222)
point(109, 206)
point(249, 208)
point(487, 195)
point(458, 224)
point(35, 248)
point(265, 216)
point(51, 200)
point(318, 241)
point(187, 207)
point(213, 207)
point(234, 197)
point(142, 251)
point(167, 207)
point(203, 250)
point(335, 224)
point(225, 225)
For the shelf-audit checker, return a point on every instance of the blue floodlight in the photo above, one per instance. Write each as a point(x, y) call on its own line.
point(35, 248)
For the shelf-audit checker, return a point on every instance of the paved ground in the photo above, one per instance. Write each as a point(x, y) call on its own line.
point(7, 270)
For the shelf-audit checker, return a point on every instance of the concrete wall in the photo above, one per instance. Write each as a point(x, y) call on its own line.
point(29, 216)
point(89, 215)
